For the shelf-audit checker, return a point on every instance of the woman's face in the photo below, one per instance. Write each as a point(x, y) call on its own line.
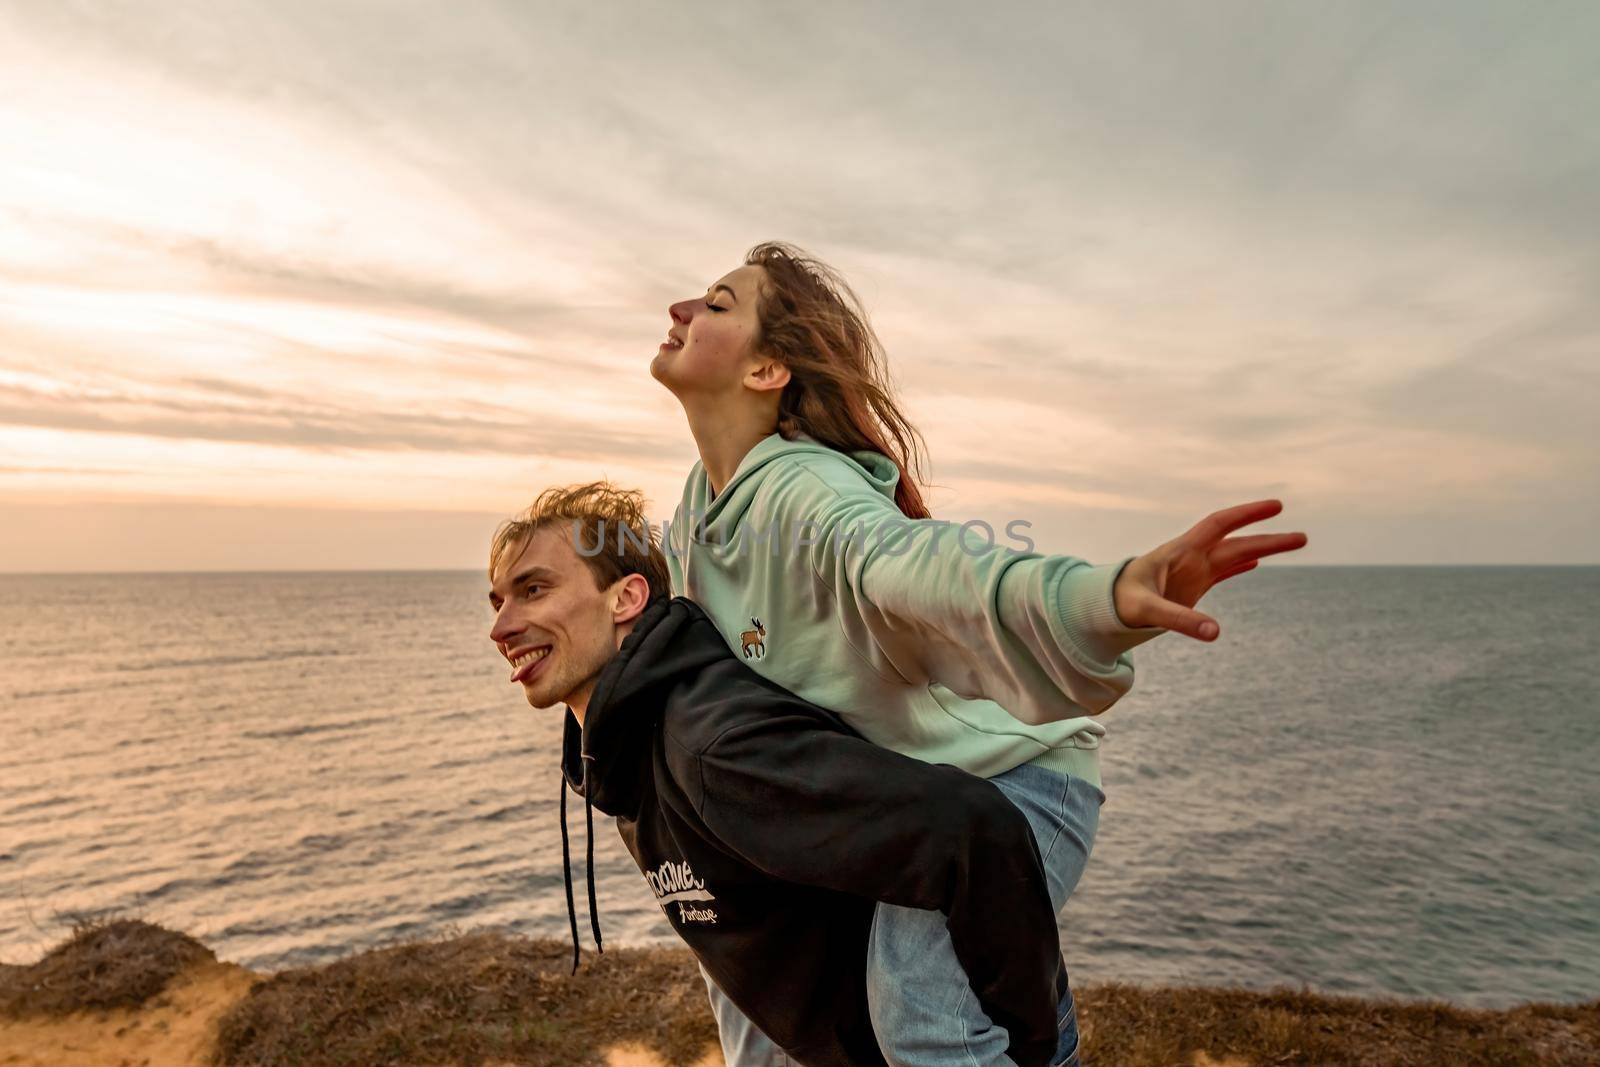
point(711, 339)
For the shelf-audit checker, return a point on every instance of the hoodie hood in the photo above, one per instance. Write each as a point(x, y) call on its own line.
point(607, 759)
point(719, 517)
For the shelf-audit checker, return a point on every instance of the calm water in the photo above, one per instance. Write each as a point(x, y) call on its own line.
point(1381, 780)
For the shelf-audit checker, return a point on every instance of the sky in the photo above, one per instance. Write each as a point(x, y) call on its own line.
point(335, 284)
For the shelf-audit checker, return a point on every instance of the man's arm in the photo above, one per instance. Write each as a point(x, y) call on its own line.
point(824, 808)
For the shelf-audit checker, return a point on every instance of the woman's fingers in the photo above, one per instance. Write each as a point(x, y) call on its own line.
point(1236, 550)
point(1240, 569)
point(1153, 610)
point(1219, 524)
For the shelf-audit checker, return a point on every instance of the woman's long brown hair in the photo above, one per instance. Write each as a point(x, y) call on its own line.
point(838, 391)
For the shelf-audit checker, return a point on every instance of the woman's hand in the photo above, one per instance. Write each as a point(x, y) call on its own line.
point(1161, 587)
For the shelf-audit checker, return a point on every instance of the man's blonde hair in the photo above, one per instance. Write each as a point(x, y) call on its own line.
point(591, 515)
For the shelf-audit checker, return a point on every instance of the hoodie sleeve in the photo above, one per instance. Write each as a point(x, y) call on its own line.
point(1037, 634)
point(829, 809)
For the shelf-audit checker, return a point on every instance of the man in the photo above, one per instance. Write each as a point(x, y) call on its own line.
point(766, 828)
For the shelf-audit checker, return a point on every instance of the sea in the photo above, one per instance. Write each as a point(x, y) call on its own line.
point(1380, 781)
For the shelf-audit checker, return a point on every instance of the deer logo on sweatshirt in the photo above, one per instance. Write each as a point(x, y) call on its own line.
point(751, 640)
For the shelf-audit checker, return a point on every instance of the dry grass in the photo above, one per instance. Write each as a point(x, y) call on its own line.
point(119, 963)
point(1133, 1026)
point(471, 1000)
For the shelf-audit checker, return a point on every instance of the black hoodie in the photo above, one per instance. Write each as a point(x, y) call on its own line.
point(768, 830)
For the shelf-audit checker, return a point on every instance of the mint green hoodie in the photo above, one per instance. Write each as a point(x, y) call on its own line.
point(974, 654)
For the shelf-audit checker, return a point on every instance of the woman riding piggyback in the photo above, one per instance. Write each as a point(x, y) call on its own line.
point(803, 534)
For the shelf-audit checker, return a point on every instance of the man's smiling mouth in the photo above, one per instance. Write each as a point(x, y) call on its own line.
point(527, 662)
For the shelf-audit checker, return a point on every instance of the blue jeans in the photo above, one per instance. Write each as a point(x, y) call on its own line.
point(923, 1009)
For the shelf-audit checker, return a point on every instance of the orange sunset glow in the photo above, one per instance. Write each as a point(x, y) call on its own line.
point(323, 286)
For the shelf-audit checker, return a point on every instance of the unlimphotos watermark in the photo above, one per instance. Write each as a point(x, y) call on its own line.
point(890, 536)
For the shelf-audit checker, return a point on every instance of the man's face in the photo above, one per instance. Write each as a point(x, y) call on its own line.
point(552, 624)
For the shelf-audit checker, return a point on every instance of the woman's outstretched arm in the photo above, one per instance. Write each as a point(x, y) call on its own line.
point(1045, 636)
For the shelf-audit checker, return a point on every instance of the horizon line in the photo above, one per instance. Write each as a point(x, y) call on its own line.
point(465, 570)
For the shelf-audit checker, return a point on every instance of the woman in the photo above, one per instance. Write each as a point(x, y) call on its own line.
point(803, 534)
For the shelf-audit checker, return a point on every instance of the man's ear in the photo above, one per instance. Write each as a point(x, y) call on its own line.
point(630, 596)
point(767, 374)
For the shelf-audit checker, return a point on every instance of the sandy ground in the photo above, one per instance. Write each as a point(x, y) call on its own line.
point(634, 1056)
point(1122, 1023)
point(175, 1030)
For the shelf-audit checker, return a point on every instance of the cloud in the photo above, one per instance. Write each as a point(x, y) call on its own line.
point(307, 424)
point(1125, 258)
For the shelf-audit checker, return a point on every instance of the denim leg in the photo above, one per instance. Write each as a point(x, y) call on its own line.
point(1067, 1031)
point(923, 1009)
point(743, 1044)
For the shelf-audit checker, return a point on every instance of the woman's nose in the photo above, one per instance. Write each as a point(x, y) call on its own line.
point(680, 311)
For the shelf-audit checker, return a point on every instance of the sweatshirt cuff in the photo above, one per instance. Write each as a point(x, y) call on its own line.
point(1087, 610)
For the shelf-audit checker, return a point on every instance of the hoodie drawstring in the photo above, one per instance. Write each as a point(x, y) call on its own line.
point(566, 871)
point(594, 909)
